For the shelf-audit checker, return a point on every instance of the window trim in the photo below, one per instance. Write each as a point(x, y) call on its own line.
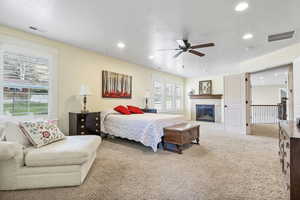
point(31, 49)
point(164, 82)
point(153, 91)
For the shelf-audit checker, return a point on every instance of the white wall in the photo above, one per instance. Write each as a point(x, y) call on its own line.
point(217, 84)
point(277, 58)
point(266, 94)
point(296, 75)
point(78, 66)
point(193, 83)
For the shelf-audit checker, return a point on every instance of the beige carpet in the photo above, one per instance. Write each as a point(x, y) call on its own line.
point(224, 167)
point(268, 130)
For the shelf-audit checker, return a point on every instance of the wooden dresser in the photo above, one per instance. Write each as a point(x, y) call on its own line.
point(289, 152)
point(84, 123)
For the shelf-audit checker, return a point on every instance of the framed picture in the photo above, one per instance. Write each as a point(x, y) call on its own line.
point(205, 87)
point(115, 85)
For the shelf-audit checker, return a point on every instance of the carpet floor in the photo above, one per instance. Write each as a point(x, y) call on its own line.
point(225, 166)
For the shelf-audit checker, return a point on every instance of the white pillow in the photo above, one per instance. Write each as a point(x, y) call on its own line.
point(13, 133)
point(41, 133)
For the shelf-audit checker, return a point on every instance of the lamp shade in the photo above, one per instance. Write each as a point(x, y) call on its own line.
point(148, 94)
point(84, 90)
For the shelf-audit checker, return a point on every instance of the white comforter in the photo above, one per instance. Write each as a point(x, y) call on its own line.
point(145, 128)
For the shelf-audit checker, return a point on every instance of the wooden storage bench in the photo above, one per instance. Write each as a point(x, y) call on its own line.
point(181, 134)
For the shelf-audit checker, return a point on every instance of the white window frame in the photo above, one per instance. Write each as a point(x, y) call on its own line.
point(164, 82)
point(172, 87)
point(31, 49)
point(158, 79)
point(179, 97)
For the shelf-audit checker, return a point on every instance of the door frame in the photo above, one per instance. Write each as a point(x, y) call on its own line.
point(248, 103)
point(248, 95)
point(290, 106)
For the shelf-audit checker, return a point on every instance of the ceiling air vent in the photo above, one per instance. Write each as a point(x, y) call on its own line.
point(281, 36)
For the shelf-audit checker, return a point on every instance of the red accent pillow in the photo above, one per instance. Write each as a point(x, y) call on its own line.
point(123, 110)
point(135, 110)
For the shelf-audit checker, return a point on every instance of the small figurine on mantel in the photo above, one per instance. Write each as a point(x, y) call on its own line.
point(192, 92)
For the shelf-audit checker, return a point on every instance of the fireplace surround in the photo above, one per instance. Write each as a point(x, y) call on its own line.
point(205, 112)
point(218, 104)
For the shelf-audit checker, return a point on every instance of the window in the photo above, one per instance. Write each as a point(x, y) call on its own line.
point(178, 97)
point(157, 95)
point(25, 84)
point(167, 96)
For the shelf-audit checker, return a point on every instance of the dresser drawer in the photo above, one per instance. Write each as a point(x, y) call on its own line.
point(84, 123)
point(289, 151)
point(82, 132)
point(287, 172)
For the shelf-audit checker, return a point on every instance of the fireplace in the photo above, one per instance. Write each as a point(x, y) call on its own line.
point(205, 112)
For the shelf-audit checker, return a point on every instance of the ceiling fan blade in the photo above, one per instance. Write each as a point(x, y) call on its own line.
point(196, 53)
point(178, 54)
point(168, 49)
point(181, 43)
point(202, 46)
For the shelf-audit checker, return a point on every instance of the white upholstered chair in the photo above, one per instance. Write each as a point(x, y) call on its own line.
point(63, 163)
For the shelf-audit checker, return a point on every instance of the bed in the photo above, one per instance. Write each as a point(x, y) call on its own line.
point(145, 128)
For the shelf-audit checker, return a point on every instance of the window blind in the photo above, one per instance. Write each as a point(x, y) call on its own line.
point(25, 84)
point(167, 96)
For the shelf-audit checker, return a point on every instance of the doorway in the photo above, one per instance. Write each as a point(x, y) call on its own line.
point(270, 99)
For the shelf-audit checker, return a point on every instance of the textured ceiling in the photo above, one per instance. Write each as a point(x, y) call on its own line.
point(145, 26)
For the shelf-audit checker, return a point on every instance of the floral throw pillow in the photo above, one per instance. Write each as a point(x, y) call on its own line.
point(41, 133)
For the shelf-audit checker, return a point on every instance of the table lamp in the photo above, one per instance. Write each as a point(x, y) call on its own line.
point(84, 91)
point(147, 96)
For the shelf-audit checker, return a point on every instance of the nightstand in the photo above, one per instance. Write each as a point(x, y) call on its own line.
point(149, 110)
point(84, 123)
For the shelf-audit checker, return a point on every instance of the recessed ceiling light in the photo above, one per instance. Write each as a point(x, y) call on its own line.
point(248, 36)
point(261, 78)
point(250, 48)
point(121, 45)
point(151, 57)
point(242, 6)
point(276, 74)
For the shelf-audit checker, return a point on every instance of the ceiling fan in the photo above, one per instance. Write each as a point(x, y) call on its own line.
point(185, 46)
